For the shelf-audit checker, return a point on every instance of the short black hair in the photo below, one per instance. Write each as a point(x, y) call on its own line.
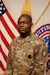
point(30, 17)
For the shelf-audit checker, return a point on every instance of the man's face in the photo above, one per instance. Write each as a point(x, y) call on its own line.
point(24, 24)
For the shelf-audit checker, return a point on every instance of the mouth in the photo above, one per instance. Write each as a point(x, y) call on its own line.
point(21, 29)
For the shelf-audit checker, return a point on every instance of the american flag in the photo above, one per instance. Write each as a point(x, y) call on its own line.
point(7, 33)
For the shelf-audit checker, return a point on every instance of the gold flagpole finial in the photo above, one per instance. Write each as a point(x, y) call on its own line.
point(26, 8)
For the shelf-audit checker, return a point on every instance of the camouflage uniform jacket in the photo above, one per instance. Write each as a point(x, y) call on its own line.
point(27, 56)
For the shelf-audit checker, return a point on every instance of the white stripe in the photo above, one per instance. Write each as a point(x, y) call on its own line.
point(45, 36)
point(1, 71)
point(13, 29)
point(5, 34)
point(2, 60)
point(4, 48)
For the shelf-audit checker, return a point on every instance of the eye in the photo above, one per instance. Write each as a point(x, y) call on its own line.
point(23, 22)
point(19, 22)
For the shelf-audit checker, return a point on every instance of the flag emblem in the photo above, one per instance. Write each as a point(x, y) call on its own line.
point(44, 33)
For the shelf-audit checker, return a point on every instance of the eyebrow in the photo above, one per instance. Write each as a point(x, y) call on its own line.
point(23, 22)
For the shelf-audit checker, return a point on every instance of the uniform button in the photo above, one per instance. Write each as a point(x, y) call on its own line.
point(29, 56)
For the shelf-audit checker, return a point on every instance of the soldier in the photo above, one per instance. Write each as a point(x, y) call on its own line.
point(28, 53)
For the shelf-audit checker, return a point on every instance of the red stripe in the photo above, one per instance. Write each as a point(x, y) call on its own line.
point(2, 66)
point(49, 55)
point(7, 28)
point(3, 54)
point(44, 34)
point(13, 22)
point(4, 40)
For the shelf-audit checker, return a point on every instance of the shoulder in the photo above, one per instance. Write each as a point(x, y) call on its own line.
point(37, 40)
point(40, 45)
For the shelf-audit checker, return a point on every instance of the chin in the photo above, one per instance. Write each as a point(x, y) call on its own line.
point(22, 32)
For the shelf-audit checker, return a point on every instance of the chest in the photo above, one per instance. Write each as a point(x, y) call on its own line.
point(24, 51)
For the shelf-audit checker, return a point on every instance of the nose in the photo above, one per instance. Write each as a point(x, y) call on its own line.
point(21, 24)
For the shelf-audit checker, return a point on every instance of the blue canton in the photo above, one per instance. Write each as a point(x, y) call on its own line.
point(2, 8)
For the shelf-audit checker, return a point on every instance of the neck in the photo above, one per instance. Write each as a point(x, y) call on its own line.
point(24, 35)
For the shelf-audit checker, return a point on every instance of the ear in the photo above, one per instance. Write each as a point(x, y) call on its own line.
point(31, 24)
